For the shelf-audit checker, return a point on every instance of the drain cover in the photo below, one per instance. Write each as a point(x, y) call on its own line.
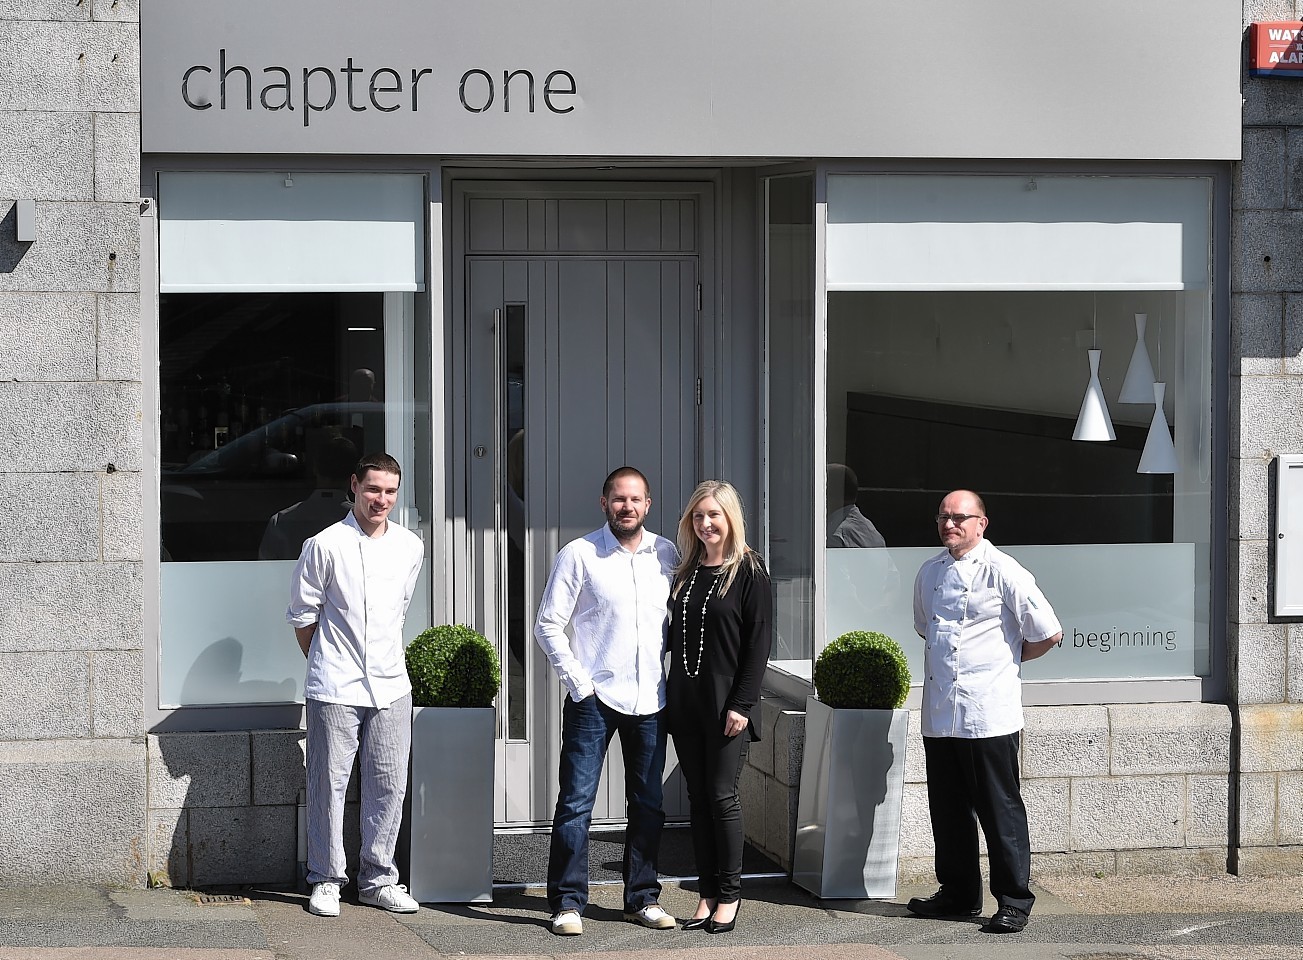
point(216, 898)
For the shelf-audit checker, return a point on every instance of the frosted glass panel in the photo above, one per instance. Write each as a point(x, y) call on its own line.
point(1017, 233)
point(276, 232)
point(229, 642)
point(1128, 610)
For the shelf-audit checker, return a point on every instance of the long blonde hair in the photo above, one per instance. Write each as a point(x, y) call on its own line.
point(692, 551)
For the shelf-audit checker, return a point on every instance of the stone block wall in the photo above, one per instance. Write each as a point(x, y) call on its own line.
point(72, 748)
point(223, 806)
point(1109, 789)
point(1266, 419)
point(771, 779)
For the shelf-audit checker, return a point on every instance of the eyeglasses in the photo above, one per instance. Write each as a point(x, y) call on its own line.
point(956, 518)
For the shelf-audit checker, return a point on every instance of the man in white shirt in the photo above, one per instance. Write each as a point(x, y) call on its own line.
point(981, 616)
point(348, 597)
point(610, 590)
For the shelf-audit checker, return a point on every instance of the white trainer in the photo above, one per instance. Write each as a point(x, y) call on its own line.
point(652, 915)
point(393, 898)
point(568, 923)
point(324, 901)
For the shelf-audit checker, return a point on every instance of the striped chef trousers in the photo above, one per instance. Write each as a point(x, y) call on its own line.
point(381, 739)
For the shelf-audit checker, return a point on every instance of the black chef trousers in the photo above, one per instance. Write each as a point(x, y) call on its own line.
point(972, 782)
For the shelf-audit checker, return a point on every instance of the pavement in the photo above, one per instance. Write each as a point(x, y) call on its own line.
point(1085, 918)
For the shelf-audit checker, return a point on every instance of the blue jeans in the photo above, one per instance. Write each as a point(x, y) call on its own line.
point(586, 731)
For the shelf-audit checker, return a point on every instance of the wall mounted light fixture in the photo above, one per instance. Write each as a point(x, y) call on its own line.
point(25, 214)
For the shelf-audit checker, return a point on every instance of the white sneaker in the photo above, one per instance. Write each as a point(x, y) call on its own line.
point(568, 923)
point(324, 901)
point(393, 898)
point(652, 916)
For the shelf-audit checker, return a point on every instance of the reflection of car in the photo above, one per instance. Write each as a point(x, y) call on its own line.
point(217, 507)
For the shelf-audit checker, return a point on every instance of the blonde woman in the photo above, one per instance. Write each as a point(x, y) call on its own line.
point(719, 644)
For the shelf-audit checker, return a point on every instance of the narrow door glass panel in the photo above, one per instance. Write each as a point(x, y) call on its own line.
point(789, 452)
point(512, 380)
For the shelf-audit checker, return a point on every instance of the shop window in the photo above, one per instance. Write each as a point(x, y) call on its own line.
point(267, 403)
point(267, 399)
point(971, 374)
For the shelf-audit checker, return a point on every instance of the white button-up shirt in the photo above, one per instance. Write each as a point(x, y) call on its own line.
point(356, 590)
point(974, 614)
point(613, 603)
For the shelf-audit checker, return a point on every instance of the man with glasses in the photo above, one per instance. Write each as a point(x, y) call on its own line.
point(981, 616)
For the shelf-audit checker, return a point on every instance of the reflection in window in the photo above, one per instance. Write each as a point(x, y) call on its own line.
point(928, 391)
point(267, 401)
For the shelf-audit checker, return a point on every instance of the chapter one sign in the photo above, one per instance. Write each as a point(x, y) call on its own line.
point(1276, 48)
point(230, 85)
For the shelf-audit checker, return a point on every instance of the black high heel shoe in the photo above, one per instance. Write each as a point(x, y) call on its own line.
point(716, 926)
point(700, 923)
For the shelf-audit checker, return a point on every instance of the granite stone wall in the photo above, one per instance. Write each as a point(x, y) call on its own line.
point(72, 747)
point(1109, 789)
point(1266, 419)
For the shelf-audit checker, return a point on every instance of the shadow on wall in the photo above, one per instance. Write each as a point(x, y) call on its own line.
point(214, 677)
point(224, 808)
point(11, 250)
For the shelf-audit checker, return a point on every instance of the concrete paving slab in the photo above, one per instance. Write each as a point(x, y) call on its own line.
point(1131, 918)
point(131, 953)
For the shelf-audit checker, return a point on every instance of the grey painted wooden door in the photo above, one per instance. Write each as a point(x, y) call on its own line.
point(579, 362)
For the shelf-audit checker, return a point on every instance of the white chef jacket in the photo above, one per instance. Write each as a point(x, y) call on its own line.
point(614, 603)
point(974, 614)
point(356, 589)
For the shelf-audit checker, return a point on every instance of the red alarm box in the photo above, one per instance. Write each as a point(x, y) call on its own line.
point(1276, 48)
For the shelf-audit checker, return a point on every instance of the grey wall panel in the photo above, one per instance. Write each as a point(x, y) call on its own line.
point(687, 78)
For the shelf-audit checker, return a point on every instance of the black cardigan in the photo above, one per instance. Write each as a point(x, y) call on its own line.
point(737, 642)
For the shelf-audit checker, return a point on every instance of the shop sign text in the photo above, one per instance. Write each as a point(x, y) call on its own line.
point(359, 88)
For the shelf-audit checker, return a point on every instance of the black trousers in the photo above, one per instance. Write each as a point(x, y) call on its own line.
point(711, 765)
point(972, 782)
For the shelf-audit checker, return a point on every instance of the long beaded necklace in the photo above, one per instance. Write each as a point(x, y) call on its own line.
point(701, 642)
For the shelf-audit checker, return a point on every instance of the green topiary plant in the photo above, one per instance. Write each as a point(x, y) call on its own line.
point(452, 666)
point(862, 670)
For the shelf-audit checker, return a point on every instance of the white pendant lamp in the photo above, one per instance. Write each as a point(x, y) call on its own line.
point(1093, 421)
point(1159, 455)
point(1138, 385)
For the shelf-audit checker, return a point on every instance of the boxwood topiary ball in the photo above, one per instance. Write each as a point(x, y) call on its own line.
point(862, 670)
point(452, 666)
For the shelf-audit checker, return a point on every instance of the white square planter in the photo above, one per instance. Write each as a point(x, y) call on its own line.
point(848, 810)
point(451, 799)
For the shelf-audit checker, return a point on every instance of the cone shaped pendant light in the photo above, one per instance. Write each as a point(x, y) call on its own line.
point(1138, 385)
point(1159, 455)
point(1093, 421)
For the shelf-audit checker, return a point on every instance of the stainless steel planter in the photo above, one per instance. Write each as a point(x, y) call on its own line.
point(451, 799)
point(848, 811)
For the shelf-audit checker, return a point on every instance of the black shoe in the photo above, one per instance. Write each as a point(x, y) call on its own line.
point(716, 926)
point(942, 905)
point(697, 923)
point(1007, 920)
